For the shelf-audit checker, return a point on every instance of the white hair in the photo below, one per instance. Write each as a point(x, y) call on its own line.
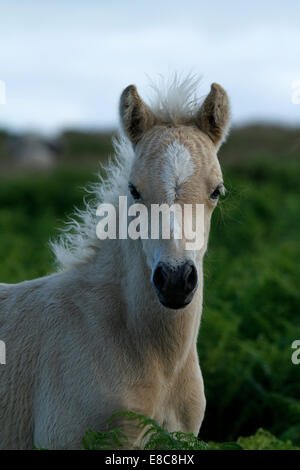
point(175, 99)
point(78, 240)
point(177, 167)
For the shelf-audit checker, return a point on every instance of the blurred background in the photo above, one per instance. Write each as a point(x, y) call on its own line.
point(63, 66)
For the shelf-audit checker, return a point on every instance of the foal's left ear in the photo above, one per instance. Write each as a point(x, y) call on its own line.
point(136, 116)
point(214, 115)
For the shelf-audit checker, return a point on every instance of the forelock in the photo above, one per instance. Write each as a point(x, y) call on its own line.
point(175, 99)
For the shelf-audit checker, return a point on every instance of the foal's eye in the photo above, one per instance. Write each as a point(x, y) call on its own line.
point(134, 192)
point(219, 191)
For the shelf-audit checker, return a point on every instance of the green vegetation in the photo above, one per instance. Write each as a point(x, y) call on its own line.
point(251, 305)
point(251, 302)
point(157, 438)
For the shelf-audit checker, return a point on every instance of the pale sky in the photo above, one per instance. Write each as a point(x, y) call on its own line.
point(65, 63)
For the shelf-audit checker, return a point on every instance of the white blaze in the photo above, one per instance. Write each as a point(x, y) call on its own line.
point(177, 168)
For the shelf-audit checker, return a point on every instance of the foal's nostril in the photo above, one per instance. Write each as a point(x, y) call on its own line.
point(159, 277)
point(191, 277)
point(180, 281)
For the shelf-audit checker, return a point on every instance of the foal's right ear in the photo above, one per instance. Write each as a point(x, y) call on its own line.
point(136, 116)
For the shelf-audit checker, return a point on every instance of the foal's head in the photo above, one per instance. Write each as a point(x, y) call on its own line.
point(175, 163)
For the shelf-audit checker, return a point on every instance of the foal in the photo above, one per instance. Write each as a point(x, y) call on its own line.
point(116, 327)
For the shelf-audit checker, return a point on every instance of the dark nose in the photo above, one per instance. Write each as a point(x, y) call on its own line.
point(175, 286)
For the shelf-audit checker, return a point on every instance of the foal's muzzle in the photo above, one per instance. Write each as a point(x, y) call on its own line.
point(175, 286)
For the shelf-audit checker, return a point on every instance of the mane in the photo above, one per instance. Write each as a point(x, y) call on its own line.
point(174, 100)
point(77, 241)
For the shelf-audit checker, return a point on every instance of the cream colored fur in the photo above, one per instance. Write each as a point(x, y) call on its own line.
point(93, 338)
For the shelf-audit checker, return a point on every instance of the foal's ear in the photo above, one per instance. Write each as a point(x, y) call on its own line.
point(136, 116)
point(214, 115)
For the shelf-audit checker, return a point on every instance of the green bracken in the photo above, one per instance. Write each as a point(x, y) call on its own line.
point(157, 438)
